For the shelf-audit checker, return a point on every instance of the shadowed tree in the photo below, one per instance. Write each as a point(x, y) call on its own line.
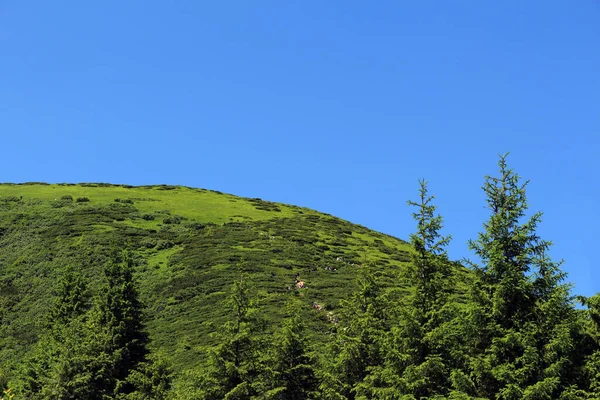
point(120, 314)
point(233, 368)
point(72, 298)
point(101, 353)
point(290, 373)
point(357, 346)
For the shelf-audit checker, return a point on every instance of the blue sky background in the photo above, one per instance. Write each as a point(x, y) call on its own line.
point(340, 106)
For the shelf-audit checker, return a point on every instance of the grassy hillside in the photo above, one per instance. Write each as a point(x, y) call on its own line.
point(189, 245)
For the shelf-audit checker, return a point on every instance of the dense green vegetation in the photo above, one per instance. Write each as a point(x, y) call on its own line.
point(113, 291)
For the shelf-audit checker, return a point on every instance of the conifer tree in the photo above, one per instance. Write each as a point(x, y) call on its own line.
point(233, 368)
point(521, 319)
point(419, 348)
point(128, 372)
point(290, 372)
point(589, 347)
point(120, 314)
point(61, 365)
point(357, 349)
point(151, 380)
point(431, 272)
point(74, 358)
point(72, 298)
point(101, 353)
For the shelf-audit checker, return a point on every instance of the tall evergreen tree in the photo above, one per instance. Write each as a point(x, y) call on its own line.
point(431, 273)
point(290, 372)
point(97, 354)
point(519, 321)
point(233, 367)
point(357, 349)
point(62, 364)
point(419, 349)
point(151, 380)
point(120, 314)
point(131, 373)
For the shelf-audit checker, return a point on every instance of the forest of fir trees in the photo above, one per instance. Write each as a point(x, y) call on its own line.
point(518, 335)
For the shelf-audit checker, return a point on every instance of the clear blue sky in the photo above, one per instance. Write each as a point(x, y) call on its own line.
point(340, 106)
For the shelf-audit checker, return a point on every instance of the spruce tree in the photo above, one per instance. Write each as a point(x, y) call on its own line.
point(357, 348)
point(431, 273)
point(520, 320)
point(62, 364)
point(419, 348)
point(589, 346)
point(100, 353)
point(129, 371)
point(72, 298)
point(233, 367)
point(290, 372)
point(119, 313)
point(151, 380)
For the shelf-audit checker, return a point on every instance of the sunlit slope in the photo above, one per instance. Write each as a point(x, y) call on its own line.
point(198, 204)
point(189, 245)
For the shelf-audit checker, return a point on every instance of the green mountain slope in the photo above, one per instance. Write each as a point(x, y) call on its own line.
point(189, 245)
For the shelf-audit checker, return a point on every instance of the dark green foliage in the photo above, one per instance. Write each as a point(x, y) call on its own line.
point(357, 347)
point(8, 199)
point(233, 370)
point(119, 313)
point(97, 354)
point(421, 347)
point(521, 322)
point(264, 205)
point(150, 380)
point(590, 352)
point(68, 363)
point(72, 298)
point(164, 244)
point(289, 372)
point(124, 201)
point(174, 219)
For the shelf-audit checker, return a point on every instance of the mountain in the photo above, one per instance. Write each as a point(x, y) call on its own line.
point(171, 292)
point(189, 246)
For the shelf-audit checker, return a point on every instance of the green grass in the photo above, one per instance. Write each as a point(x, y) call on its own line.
point(196, 204)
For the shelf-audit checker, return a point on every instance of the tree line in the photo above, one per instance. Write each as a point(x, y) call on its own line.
point(516, 334)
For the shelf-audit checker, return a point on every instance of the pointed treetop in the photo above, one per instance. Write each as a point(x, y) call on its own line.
point(427, 238)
